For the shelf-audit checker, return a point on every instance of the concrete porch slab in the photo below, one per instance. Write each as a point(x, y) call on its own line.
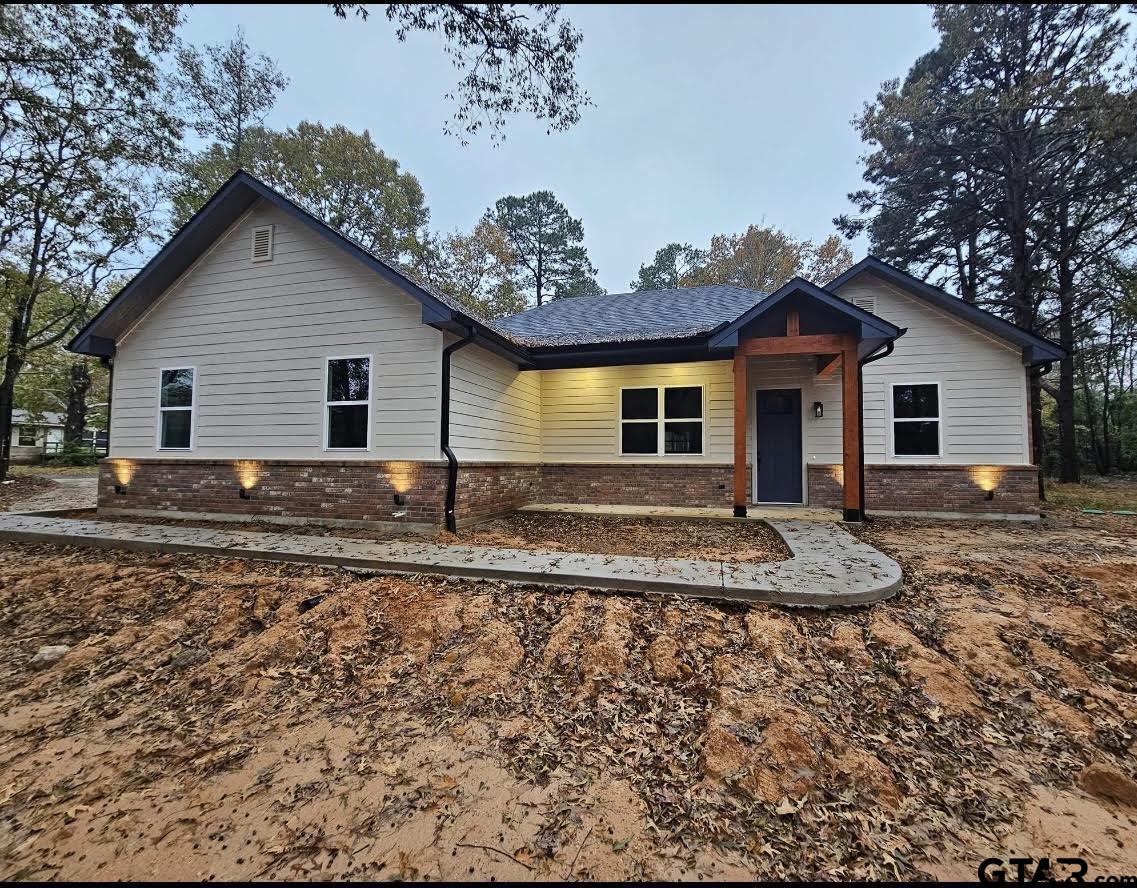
point(753, 513)
point(829, 567)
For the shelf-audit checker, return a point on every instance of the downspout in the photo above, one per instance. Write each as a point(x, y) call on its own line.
point(109, 364)
point(883, 352)
point(1036, 372)
point(451, 459)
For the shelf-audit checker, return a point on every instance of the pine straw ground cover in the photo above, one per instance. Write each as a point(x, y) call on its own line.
point(233, 720)
point(22, 487)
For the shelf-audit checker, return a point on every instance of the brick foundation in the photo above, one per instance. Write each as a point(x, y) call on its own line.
point(638, 484)
point(933, 488)
point(336, 490)
point(364, 491)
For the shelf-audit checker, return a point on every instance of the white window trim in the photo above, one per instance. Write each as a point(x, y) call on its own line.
point(368, 403)
point(892, 420)
point(192, 411)
point(660, 440)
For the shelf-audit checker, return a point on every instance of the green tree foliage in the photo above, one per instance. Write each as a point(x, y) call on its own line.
point(339, 175)
point(671, 266)
point(1004, 167)
point(84, 119)
point(481, 270)
point(228, 89)
point(548, 243)
point(764, 258)
point(513, 58)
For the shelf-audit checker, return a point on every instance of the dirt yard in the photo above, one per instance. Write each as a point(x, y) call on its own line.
point(231, 720)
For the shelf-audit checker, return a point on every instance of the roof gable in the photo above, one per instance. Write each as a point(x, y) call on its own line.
point(872, 329)
point(209, 223)
point(1036, 349)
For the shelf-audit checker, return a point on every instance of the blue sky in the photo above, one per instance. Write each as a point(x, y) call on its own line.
point(706, 119)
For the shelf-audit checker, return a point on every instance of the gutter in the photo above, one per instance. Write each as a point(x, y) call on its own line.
point(451, 459)
point(883, 352)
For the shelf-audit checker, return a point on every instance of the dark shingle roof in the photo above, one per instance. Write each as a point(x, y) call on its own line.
point(629, 317)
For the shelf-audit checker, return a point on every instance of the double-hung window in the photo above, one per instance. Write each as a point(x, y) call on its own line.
point(665, 419)
point(26, 436)
point(916, 419)
point(347, 403)
point(175, 408)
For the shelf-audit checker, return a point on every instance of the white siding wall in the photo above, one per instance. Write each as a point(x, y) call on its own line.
point(495, 409)
point(259, 333)
point(580, 410)
point(983, 395)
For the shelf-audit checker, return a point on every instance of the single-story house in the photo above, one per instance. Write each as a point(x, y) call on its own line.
point(266, 365)
point(35, 435)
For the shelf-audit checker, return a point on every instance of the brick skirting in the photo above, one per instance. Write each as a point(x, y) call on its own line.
point(364, 491)
point(336, 490)
point(709, 484)
point(934, 488)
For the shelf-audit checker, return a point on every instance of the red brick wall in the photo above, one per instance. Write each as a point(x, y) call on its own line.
point(639, 484)
point(364, 491)
point(937, 488)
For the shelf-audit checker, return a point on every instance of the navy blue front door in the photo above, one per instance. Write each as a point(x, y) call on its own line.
point(779, 446)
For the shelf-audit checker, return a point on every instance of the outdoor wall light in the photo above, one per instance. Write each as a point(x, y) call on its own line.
point(818, 410)
point(990, 495)
point(244, 494)
point(120, 489)
point(400, 499)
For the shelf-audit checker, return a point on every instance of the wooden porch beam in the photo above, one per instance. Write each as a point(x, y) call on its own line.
point(817, 344)
point(851, 433)
point(740, 389)
point(825, 369)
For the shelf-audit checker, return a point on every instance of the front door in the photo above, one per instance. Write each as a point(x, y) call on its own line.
point(778, 460)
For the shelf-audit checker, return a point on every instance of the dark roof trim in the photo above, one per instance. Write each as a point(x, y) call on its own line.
point(1036, 349)
point(218, 214)
point(872, 327)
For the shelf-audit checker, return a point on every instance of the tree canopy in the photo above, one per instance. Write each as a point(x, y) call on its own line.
point(513, 58)
point(548, 243)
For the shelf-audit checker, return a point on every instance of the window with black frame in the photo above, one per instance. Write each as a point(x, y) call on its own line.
point(667, 417)
point(916, 419)
point(348, 403)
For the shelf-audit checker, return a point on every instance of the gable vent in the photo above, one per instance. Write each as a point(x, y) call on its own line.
point(865, 303)
point(262, 243)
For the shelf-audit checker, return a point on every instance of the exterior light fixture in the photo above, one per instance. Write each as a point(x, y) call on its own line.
point(818, 410)
point(400, 499)
point(990, 495)
point(120, 489)
point(244, 494)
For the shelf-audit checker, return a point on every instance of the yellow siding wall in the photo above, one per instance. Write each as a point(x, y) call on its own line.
point(580, 410)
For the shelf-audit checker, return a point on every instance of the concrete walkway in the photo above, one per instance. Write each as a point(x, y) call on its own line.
point(830, 568)
point(71, 492)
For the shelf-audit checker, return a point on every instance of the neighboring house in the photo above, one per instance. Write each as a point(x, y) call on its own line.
point(35, 436)
point(265, 365)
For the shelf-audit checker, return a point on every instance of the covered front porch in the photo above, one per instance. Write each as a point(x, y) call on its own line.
point(797, 359)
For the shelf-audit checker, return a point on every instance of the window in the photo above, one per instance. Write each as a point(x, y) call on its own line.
point(26, 436)
point(916, 419)
point(669, 414)
point(175, 409)
point(347, 404)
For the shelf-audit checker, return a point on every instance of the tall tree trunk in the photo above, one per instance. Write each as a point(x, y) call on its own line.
point(7, 404)
point(1038, 447)
point(79, 383)
point(1068, 468)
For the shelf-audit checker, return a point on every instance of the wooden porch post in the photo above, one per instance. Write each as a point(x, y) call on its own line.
point(851, 432)
point(739, 434)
